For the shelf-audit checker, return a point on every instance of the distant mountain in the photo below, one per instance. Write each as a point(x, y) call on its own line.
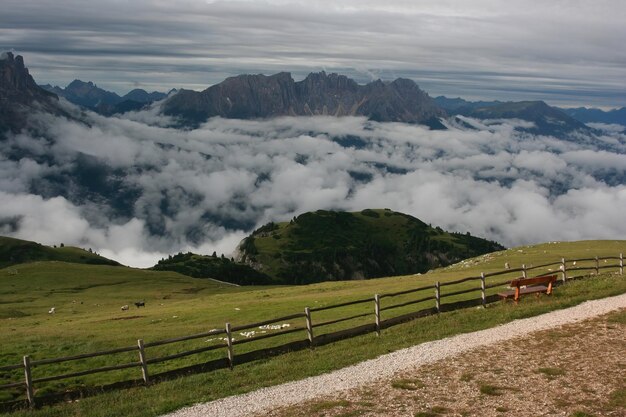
point(20, 96)
point(142, 96)
point(260, 96)
point(220, 268)
point(460, 106)
point(585, 115)
point(17, 251)
point(90, 96)
point(329, 245)
point(547, 120)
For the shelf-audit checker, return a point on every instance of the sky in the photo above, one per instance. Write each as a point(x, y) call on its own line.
point(204, 190)
point(566, 52)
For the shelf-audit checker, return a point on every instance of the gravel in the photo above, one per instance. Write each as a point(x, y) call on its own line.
point(385, 366)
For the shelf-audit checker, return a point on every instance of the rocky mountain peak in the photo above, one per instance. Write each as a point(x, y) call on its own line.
point(20, 96)
point(15, 78)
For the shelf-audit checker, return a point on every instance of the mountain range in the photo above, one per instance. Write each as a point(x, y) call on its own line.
point(90, 96)
point(261, 97)
point(535, 111)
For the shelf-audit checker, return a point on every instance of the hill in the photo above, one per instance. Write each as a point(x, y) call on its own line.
point(17, 251)
point(220, 268)
point(328, 245)
point(90, 96)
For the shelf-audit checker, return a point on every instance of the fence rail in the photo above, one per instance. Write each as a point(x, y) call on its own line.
point(308, 327)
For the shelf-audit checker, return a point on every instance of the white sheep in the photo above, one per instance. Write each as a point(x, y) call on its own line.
point(52, 310)
point(125, 307)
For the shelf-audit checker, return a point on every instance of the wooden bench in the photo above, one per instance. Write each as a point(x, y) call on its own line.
point(532, 285)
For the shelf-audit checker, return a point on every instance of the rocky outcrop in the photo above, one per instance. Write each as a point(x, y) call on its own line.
point(260, 96)
point(20, 96)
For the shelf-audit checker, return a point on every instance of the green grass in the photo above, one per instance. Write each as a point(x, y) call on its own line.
point(618, 398)
point(407, 384)
point(200, 305)
point(551, 373)
point(328, 405)
point(489, 389)
point(17, 251)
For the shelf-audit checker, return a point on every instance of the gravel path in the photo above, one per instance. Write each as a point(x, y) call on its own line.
point(386, 366)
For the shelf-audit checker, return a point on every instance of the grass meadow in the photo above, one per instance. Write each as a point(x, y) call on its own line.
point(88, 317)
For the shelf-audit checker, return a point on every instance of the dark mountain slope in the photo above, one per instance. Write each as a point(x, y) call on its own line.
point(585, 115)
point(329, 245)
point(548, 120)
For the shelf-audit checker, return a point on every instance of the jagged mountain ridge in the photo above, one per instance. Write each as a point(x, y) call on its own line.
point(260, 96)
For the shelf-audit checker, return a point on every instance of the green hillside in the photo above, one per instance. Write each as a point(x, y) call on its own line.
point(16, 251)
point(221, 268)
point(88, 318)
point(329, 245)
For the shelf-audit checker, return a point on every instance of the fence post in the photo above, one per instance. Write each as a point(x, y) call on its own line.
point(621, 264)
point(563, 269)
point(229, 342)
point(524, 271)
point(597, 266)
point(377, 313)
point(309, 326)
point(29, 382)
point(438, 296)
point(144, 364)
point(482, 289)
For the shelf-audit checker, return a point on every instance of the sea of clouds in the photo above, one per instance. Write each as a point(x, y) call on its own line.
point(170, 190)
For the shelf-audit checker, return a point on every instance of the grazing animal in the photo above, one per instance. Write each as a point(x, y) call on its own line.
point(124, 308)
point(52, 310)
point(140, 304)
point(506, 265)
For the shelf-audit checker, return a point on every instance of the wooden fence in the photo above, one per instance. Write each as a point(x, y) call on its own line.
point(429, 293)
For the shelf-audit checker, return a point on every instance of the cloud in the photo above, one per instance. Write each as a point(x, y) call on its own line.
point(138, 192)
point(564, 52)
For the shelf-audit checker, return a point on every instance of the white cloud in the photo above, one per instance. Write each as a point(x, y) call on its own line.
point(154, 191)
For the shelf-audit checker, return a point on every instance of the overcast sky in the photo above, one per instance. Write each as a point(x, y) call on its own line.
point(568, 52)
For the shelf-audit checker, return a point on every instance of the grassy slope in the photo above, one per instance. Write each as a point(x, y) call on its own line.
point(177, 305)
point(17, 251)
point(202, 266)
point(326, 245)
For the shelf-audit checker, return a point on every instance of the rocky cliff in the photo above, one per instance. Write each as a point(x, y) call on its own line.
point(260, 96)
point(20, 95)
